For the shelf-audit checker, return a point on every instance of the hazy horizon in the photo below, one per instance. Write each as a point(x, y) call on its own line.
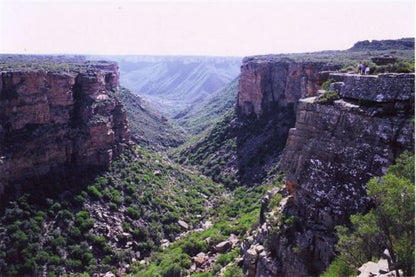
point(198, 28)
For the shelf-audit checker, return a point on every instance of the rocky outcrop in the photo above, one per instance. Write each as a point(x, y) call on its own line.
point(330, 155)
point(58, 122)
point(384, 88)
point(267, 82)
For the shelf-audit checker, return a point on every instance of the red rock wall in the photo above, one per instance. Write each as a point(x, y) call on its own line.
point(50, 122)
point(266, 82)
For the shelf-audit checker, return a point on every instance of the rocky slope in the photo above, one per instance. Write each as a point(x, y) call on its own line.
point(58, 121)
point(334, 149)
point(147, 126)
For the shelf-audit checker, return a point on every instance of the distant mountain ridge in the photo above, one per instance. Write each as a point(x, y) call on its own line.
point(173, 84)
point(388, 44)
point(205, 113)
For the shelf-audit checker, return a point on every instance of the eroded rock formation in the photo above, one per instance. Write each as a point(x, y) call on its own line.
point(330, 155)
point(267, 82)
point(269, 89)
point(58, 122)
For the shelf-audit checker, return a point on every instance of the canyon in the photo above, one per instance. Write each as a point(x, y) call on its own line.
point(94, 180)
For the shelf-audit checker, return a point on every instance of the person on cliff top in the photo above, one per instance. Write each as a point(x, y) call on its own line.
point(360, 68)
point(367, 70)
point(363, 68)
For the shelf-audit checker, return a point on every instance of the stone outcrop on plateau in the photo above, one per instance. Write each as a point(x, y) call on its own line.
point(58, 122)
point(330, 154)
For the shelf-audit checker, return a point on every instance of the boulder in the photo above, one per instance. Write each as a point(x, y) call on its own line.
point(223, 247)
point(233, 239)
point(200, 259)
point(374, 269)
point(183, 224)
point(250, 262)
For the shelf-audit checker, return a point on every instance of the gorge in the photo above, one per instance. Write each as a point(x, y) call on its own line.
point(274, 162)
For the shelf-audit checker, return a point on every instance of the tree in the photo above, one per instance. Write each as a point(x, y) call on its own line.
point(389, 225)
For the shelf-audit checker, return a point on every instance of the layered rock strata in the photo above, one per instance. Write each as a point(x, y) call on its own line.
point(269, 89)
point(58, 122)
point(267, 82)
point(329, 157)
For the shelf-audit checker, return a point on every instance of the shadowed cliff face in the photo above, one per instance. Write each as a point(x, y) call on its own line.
point(268, 94)
point(58, 122)
point(329, 157)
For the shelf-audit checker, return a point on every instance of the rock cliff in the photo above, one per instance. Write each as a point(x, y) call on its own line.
point(334, 149)
point(58, 122)
point(269, 89)
point(267, 82)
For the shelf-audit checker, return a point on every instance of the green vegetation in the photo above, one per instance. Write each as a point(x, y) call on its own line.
point(328, 97)
point(402, 65)
point(215, 153)
point(348, 60)
point(327, 83)
point(148, 128)
point(50, 63)
point(139, 201)
point(125, 216)
point(237, 214)
point(204, 114)
point(388, 225)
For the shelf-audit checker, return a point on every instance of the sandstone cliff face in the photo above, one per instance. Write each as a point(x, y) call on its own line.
point(330, 155)
point(265, 82)
point(269, 89)
point(56, 122)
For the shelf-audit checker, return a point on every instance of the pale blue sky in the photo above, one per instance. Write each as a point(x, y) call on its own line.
point(233, 28)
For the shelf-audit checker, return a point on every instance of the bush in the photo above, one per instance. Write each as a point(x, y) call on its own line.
point(132, 212)
point(173, 271)
point(94, 192)
point(390, 224)
point(339, 268)
point(233, 271)
point(328, 97)
point(194, 246)
point(327, 83)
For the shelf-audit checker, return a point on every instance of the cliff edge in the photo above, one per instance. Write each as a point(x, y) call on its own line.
point(58, 122)
point(336, 146)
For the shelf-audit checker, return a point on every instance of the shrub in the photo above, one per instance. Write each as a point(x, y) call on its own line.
point(126, 226)
point(328, 97)
point(389, 224)
point(173, 271)
point(133, 213)
point(327, 83)
point(339, 268)
point(94, 192)
point(233, 271)
point(140, 234)
point(193, 246)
